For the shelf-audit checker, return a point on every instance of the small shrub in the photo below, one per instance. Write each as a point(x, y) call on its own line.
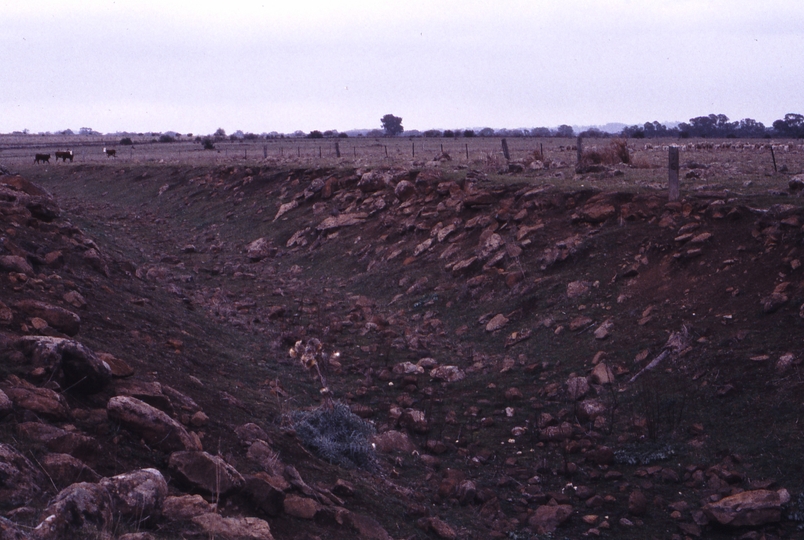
point(208, 144)
point(126, 141)
point(335, 434)
point(166, 139)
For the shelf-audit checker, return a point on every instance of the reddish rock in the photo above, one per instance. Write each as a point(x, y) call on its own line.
point(64, 470)
point(266, 492)
point(60, 440)
point(637, 503)
point(205, 472)
point(439, 527)
point(42, 401)
point(249, 433)
point(59, 318)
point(301, 507)
point(404, 190)
point(13, 263)
point(6, 405)
point(577, 387)
point(185, 507)
point(749, 508)
point(81, 510)
point(546, 518)
point(213, 525)
point(21, 480)
point(153, 425)
point(393, 441)
point(601, 374)
point(138, 495)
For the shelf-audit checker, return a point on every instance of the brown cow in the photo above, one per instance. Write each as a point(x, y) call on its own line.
point(110, 152)
point(44, 158)
point(65, 156)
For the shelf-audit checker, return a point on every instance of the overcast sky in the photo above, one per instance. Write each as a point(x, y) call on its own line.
point(303, 64)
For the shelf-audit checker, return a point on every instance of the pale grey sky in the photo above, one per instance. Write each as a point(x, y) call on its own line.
point(281, 66)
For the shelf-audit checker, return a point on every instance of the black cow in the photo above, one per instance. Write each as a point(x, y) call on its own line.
point(65, 156)
point(44, 158)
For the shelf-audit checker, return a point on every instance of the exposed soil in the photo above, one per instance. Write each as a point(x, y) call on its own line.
point(520, 285)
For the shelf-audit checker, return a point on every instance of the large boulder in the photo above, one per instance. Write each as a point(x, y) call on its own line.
point(65, 469)
point(61, 319)
point(42, 401)
point(749, 508)
point(20, 480)
point(229, 528)
point(266, 492)
point(60, 440)
point(6, 405)
point(81, 510)
point(205, 472)
point(138, 495)
point(155, 427)
point(83, 371)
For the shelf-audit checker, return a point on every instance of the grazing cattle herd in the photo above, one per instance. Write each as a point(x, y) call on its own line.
point(69, 154)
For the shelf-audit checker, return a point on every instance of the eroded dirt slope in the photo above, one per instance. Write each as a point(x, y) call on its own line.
point(489, 331)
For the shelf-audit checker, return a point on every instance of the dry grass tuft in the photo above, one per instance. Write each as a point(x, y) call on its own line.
point(616, 152)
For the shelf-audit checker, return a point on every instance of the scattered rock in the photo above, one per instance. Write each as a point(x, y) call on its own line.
point(21, 480)
point(546, 518)
point(154, 426)
point(749, 508)
point(205, 472)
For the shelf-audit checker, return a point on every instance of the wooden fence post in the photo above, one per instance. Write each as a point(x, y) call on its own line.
point(773, 156)
point(319, 151)
point(413, 149)
point(337, 149)
point(265, 151)
point(505, 149)
point(467, 151)
point(579, 149)
point(386, 151)
point(672, 181)
point(298, 151)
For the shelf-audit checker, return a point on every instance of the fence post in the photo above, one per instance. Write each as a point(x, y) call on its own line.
point(467, 151)
point(298, 151)
point(337, 149)
point(319, 151)
point(413, 149)
point(386, 151)
point(505, 150)
point(579, 149)
point(265, 151)
point(245, 153)
point(672, 167)
point(774, 159)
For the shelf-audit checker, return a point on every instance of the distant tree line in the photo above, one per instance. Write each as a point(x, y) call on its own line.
point(719, 126)
point(709, 126)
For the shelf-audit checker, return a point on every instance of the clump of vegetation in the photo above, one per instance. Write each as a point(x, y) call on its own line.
point(336, 434)
point(166, 139)
point(615, 152)
point(207, 143)
point(126, 141)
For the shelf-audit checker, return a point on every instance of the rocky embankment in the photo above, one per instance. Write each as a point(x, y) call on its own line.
point(496, 336)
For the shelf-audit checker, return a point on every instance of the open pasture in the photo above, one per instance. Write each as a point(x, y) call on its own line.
point(747, 166)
